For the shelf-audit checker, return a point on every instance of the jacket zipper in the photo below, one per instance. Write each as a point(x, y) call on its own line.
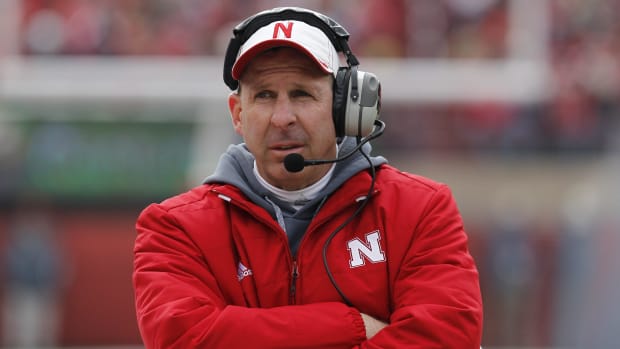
point(294, 276)
point(295, 267)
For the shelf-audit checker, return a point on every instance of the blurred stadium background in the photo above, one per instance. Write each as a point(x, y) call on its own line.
point(108, 105)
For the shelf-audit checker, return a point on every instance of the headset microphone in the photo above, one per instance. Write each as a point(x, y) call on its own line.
point(295, 162)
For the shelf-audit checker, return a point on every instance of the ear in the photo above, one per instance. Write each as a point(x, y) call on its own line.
point(234, 105)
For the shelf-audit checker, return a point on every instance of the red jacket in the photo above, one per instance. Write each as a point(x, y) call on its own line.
point(214, 270)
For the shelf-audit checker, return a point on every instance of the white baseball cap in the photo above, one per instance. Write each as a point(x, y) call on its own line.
point(290, 33)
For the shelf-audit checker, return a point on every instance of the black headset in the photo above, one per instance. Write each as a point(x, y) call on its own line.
point(357, 94)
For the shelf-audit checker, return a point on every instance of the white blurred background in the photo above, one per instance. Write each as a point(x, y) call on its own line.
point(108, 105)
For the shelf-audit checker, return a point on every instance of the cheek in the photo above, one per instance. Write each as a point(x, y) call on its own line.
point(245, 124)
point(322, 132)
point(326, 124)
point(252, 132)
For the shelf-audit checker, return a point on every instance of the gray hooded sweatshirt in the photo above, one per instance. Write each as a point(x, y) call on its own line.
point(236, 167)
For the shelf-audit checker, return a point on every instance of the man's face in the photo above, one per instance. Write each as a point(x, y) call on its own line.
point(285, 106)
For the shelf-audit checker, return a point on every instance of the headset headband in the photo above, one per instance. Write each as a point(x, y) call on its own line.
point(241, 33)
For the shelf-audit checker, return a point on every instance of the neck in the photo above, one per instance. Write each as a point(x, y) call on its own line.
point(297, 194)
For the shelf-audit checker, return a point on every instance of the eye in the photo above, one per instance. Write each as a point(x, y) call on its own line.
point(265, 94)
point(299, 93)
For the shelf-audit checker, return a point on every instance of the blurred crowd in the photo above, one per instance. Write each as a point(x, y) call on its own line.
point(583, 47)
point(534, 275)
point(192, 27)
point(416, 28)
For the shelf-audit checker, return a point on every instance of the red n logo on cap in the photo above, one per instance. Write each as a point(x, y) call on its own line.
point(286, 30)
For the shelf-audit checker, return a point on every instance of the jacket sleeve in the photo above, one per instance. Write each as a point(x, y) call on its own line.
point(436, 293)
point(179, 304)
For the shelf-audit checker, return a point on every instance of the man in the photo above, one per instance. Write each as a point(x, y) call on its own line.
point(275, 253)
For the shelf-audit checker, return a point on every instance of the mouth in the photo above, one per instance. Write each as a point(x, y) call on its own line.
point(282, 150)
point(286, 146)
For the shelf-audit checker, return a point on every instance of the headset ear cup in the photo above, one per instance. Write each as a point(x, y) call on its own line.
point(339, 106)
point(363, 111)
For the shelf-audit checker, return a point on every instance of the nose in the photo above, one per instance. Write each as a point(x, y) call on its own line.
point(283, 114)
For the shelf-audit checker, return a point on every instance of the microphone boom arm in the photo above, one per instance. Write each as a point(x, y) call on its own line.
point(295, 162)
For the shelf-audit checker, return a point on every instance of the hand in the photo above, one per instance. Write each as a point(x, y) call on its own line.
point(372, 325)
